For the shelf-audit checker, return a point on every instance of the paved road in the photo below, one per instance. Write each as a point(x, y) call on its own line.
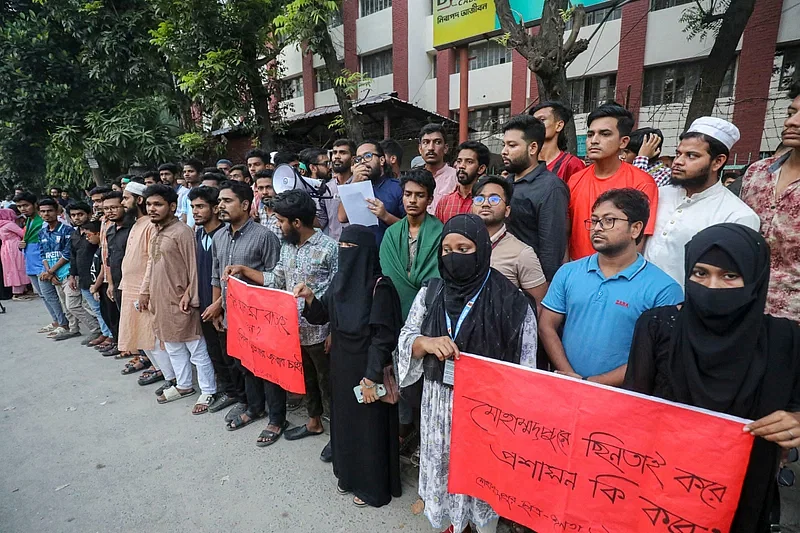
point(86, 449)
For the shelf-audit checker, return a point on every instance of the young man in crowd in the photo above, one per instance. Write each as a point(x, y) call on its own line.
point(204, 202)
point(472, 160)
point(555, 116)
point(55, 194)
point(54, 257)
point(239, 173)
point(27, 204)
point(211, 179)
point(118, 227)
point(91, 285)
point(311, 257)
point(771, 187)
point(510, 256)
point(433, 149)
point(224, 166)
point(168, 172)
point(318, 167)
point(169, 292)
point(394, 155)
point(599, 298)
point(96, 195)
point(151, 177)
point(643, 151)
point(342, 154)
point(257, 160)
point(192, 170)
point(241, 246)
point(266, 196)
point(81, 253)
point(387, 205)
point(540, 199)
point(609, 130)
point(696, 198)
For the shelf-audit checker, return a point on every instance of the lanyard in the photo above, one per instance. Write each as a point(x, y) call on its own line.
point(464, 312)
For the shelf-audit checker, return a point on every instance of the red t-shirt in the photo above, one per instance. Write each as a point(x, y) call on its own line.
point(584, 189)
point(565, 165)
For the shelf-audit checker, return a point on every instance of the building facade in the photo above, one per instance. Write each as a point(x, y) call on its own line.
point(640, 56)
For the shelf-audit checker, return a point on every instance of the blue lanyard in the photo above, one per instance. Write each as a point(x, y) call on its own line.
point(464, 312)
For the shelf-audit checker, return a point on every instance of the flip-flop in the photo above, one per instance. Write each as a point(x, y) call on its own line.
point(270, 436)
point(238, 423)
point(204, 399)
point(171, 394)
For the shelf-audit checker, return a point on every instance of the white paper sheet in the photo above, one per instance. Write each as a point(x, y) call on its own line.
point(354, 198)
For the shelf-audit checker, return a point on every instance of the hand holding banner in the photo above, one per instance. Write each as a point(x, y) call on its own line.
point(552, 452)
point(264, 333)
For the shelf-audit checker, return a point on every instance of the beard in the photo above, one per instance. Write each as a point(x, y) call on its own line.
point(515, 166)
point(609, 248)
point(692, 182)
point(340, 169)
point(375, 173)
point(293, 237)
point(464, 178)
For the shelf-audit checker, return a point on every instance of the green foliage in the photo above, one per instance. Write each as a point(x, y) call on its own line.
point(701, 21)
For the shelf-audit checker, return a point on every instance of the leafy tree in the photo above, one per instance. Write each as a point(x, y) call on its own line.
point(306, 21)
point(224, 56)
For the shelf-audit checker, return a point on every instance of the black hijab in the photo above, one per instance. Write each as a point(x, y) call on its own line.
point(493, 327)
point(720, 347)
point(354, 282)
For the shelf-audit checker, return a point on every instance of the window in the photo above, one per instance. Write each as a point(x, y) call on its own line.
point(368, 7)
point(586, 94)
point(324, 82)
point(487, 118)
point(791, 60)
point(674, 84)
point(292, 87)
point(486, 54)
point(377, 65)
point(655, 5)
point(335, 19)
point(597, 16)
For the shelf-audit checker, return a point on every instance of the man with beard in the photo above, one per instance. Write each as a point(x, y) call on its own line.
point(243, 246)
point(265, 195)
point(695, 197)
point(169, 293)
point(472, 160)
point(192, 170)
point(599, 298)
point(113, 244)
point(387, 205)
point(433, 149)
point(341, 164)
point(168, 173)
point(540, 200)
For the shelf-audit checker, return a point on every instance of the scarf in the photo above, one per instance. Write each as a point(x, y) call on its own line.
point(32, 228)
point(394, 258)
point(355, 279)
point(493, 326)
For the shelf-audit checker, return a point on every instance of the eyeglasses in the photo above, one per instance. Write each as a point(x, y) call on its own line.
point(366, 158)
point(322, 164)
point(493, 199)
point(605, 222)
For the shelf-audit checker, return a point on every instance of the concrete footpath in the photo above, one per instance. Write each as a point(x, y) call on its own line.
point(85, 449)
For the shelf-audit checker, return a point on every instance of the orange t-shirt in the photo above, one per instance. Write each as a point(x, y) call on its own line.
point(585, 188)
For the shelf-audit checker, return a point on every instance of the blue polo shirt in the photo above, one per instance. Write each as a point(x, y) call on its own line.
point(389, 192)
point(602, 312)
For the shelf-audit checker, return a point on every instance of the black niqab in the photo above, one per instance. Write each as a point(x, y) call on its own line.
point(719, 352)
point(354, 283)
point(493, 327)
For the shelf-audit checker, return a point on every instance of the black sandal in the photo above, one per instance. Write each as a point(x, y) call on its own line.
point(150, 376)
point(270, 437)
point(167, 384)
point(139, 365)
point(238, 423)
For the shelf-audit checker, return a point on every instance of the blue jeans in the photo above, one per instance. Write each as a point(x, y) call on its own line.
point(50, 296)
point(95, 306)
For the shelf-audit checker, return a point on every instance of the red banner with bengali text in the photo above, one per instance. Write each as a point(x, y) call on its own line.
point(558, 454)
point(264, 333)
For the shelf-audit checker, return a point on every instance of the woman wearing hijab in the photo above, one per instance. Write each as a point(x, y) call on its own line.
point(364, 313)
point(475, 309)
point(11, 258)
point(720, 352)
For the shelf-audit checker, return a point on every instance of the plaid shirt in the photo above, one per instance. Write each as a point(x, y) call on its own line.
point(453, 204)
point(314, 263)
point(252, 246)
point(660, 172)
point(269, 221)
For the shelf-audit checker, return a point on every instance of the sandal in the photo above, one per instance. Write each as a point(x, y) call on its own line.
point(270, 437)
point(171, 394)
point(204, 400)
point(131, 367)
point(358, 502)
point(341, 491)
point(238, 423)
point(151, 375)
point(127, 355)
point(169, 383)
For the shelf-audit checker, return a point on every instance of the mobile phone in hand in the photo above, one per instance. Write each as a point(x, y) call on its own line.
point(379, 388)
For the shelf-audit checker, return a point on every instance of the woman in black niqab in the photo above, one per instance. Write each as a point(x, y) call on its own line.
point(363, 309)
point(720, 352)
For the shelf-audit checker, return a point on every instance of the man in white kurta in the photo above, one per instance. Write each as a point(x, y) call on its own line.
point(696, 199)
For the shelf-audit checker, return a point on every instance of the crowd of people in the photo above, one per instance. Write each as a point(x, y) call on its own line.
point(629, 272)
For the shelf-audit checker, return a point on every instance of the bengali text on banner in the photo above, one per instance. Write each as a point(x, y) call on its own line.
point(558, 454)
point(264, 333)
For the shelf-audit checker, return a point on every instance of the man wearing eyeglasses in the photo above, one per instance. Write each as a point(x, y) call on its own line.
point(370, 164)
point(599, 298)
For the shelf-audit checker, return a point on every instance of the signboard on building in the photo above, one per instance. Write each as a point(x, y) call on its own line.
point(458, 21)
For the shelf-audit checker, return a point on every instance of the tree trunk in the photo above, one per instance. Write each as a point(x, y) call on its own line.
point(555, 88)
point(259, 96)
point(722, 55)
point(327, 51)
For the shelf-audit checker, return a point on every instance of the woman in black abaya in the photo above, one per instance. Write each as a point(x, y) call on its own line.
point(364, 312)
point(720, 352)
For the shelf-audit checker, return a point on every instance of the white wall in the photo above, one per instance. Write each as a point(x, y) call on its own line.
point(293, 106)
point(374, 31)
point(420, 52)
point(292, 60)
point(789, 29)
point(337, 36)
point(324, 98)
point(603, 53)
point(379, 85)
point(487, 86)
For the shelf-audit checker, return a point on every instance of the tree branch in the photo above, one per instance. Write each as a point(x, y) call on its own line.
point(578, 18)
point(517, 35)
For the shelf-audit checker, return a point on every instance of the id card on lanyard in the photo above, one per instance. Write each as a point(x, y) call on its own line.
point(449, 364)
